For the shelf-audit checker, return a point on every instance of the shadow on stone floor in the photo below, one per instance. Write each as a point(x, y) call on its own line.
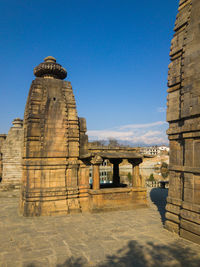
point(137, 255)
point(159, 198)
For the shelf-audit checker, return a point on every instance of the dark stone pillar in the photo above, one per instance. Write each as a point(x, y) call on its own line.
point(116, 177)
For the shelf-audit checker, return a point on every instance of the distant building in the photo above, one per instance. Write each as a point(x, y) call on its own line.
point(154, 150)
point(149, 150)
point(163, 148)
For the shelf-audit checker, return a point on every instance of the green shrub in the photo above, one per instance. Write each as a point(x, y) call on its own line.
point(164, 165)
point(129, 177)
point(164, 170)
point(151, 177)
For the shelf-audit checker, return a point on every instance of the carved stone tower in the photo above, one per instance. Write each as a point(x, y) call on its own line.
point(51, 144)
point(183, 115)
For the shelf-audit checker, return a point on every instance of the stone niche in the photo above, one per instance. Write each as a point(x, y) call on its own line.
point(183, 115)
point(12, 156)
point(56, 159)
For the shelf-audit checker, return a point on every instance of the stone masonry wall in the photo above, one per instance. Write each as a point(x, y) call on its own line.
point(12, 156)
point(183, 115)
point(2, 141)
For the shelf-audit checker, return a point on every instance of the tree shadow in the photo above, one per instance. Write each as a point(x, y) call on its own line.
point(74, 262)
point(150, 255)
point(159, 198)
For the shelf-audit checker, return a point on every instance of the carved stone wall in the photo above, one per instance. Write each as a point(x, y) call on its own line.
point(183, 115)
point(12, 156)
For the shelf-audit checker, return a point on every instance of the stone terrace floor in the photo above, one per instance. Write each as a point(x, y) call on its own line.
point(121, 238)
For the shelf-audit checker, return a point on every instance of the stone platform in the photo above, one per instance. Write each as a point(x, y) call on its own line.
point(120, 238)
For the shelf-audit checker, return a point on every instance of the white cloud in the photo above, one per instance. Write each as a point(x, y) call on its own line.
point(145, 125)
point(147, 134)
point(106, 134)
point(152, 133)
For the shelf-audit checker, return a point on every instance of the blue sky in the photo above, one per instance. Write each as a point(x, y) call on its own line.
point(116, 53)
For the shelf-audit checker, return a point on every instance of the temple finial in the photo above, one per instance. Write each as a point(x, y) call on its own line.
point(50, 69)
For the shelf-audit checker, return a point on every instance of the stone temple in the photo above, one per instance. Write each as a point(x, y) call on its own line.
point(56, 158)
point(183, 115)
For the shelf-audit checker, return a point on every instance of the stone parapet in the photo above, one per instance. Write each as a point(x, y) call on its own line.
point(117, 199)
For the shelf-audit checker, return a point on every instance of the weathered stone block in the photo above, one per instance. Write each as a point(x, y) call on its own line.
point(190, 236)
point(172, 226)
point(190, 226)
point(173, 208)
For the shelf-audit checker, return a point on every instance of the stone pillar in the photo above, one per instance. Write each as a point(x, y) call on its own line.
point(96, 161)
point(84, 175)
point(96, 177)
point(116, 177)
point(83, 183)
point(136, 178)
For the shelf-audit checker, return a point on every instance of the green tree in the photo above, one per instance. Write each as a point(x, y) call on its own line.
point(151, 177)
point(164, 170)
point(113, 143)
point(98, 143)
point(164, 165)
point(129, 176)
point(165, 174)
